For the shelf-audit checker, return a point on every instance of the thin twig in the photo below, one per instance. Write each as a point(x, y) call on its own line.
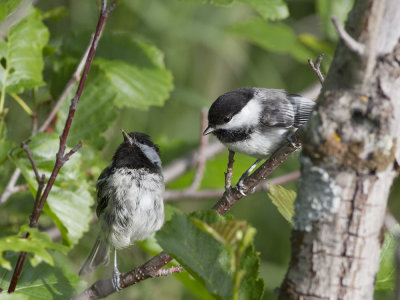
point(10, 187)
point(201, 159)
point(24, 146)
point(76, 76)
point(347, 39)
point(62, 158)
point(229, 170)
point(316, 67)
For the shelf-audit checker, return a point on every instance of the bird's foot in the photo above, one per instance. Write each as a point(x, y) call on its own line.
point(292, 142)
point(241, 187)
point(116, 281)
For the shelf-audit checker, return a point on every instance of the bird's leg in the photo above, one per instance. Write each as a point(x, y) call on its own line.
point(245, 175)
point(116, 273)
point(290, 139)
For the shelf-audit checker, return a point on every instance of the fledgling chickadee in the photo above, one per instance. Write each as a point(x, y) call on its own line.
point(256, 121)
point(129, 200)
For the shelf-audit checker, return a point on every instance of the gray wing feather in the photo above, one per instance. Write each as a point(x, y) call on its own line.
point(303, 108)
point(278, 109)
point(284, 110)
point(102, 201)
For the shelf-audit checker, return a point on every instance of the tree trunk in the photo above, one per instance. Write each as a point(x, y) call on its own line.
point(349, 162)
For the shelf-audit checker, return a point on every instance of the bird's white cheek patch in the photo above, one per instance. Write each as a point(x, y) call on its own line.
point(248, 116)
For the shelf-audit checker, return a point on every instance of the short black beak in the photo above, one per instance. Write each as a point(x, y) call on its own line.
point(208, 130)
point(127, 137)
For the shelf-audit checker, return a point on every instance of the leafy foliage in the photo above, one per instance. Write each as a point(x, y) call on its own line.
point(283, 199)
point(21, 54)
point(268, 9)
point(275, 37)
point(327, 9)
point(69, 202)
point(387, 271)
point(129, 74)
point(36, 244)
point(217, 251)
point(42, 282)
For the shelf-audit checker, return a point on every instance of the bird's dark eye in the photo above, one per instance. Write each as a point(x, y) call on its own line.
point(227, 119)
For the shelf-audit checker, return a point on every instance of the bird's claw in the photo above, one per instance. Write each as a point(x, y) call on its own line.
point(116, 281)
point(290, 140)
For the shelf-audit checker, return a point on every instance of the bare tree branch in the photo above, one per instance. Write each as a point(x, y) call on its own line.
point(316, 67)
point(201, 160)
point(24, 146)
point(61, 157)
point(10, 187)
point(351, 43)
point(76, 76)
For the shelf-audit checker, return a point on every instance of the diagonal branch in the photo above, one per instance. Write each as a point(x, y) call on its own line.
point(61, 157)
point(104, 287)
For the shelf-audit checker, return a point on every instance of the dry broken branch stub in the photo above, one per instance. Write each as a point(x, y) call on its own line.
point(317, 67)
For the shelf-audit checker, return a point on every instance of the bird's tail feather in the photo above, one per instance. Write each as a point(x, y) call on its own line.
point(99, 255)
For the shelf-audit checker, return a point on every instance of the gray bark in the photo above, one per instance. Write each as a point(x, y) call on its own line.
point(349, 163)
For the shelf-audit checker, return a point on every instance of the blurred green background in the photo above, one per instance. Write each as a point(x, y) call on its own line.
point(209, 50)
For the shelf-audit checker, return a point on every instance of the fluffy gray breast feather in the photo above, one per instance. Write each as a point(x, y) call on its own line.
point(281, 109)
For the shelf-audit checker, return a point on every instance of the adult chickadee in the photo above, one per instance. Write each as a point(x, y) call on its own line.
point(256, 121)
point(129, 200)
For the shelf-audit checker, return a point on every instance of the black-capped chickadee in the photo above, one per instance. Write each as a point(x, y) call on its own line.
point(256, 121)
point(129, 200)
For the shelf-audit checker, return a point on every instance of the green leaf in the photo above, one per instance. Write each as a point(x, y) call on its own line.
point(386, 277)
point(195, 286)
point(56, 14)
point(136, 73)
point(283, 199)
point(43, 282)
point(7, 8)
point(214, 2)
point(69, 200)
point(337, 8)
point(36, 244)
point(269, 9)
point(5, 146)
point(276, 37)
point(318, 46)
point(213, 249)
point(135, 86)
point(96, 100)
point(21, 54)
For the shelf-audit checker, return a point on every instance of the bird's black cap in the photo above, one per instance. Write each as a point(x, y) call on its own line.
point(228, 105)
